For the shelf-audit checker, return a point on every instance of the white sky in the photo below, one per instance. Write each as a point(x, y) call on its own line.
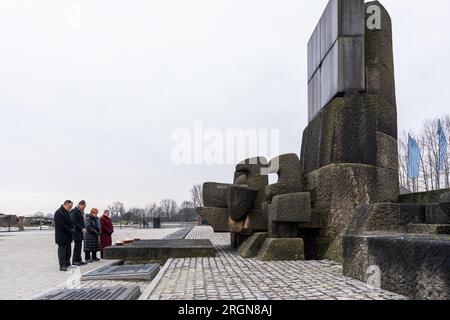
point(88, 112)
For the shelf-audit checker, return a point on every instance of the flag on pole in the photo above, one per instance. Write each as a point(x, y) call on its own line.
point(442, 147)
point(413, 158)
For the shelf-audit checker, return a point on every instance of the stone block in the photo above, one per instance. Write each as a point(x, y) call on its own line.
point(217, 217)
point(160, 250)
point(429, 228)
point(435, 215)
point(250, 248)
point(340, 190)
point(386, 217)
point(256, 220)
point(290, 179)
point(444, 203)
point(293, 207)
point(423, 197)
point(241, 200)
point(144, 272)
point(416, 266)
point(282, 250)
point(215, 195)
point(387, 151)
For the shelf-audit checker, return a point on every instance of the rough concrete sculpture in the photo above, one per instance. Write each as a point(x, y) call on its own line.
point(237, 207)
point(341, 200)
point(349, 149)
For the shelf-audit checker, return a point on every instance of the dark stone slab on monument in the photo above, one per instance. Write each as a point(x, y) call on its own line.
point(423, 197)
point(429, 229)
point(215, 194)
point(416, 266)
point(444, 203)
point(123, 272)
point(110, 293)
point(292, 207)
point(435, 215)
point(160, 250)
point(387, 217)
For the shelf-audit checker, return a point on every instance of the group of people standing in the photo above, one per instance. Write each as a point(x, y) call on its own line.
point(73, 225)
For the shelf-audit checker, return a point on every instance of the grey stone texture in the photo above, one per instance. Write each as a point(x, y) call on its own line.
point(435, 215)
point(229, 277)
point(386, 217)
point(160, 250)
point(111, 293)
point(123, 272)
point(282, 250)
point(290, 177)
point(429, 228)
point(293, 207)
point(218, 218)
point(215, 195)
point(349, 151)
point(240, 201)
point(416, 266)
point(250, 248)
point(444, 203)
point(423, 197)
point(340, 190)
point(238, 207)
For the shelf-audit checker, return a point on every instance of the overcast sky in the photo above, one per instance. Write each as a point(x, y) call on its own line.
point(88, 105)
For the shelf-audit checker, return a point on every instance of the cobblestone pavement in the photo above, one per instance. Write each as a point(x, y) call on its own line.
point(229, 277)
point(29, 263)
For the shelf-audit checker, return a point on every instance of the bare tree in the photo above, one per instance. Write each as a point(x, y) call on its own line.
point(151, 210)
point(117, 210)
point(168, 208)
point(187, 205)
point(197, 195)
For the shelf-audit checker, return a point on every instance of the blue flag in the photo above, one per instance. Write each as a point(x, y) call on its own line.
point(413, 158)
point(442, 146)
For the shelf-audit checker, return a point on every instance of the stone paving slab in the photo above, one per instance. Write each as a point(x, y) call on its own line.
point(229, 277)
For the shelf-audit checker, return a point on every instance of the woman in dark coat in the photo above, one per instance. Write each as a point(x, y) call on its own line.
point(91, 244)
point(106, 230)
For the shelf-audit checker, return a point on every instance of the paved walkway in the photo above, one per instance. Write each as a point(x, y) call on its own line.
point(29, 263)
point(228, 276)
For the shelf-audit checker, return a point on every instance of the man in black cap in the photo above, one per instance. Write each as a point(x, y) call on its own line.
point(77, 215)
point(63, 234)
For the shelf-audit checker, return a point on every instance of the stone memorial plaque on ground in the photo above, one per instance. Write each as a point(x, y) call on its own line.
point(160, 250)
point(111, 293)
point(123, 272)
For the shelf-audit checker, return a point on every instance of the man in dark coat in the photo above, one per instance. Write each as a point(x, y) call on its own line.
point(77, 215)
point(63, 234)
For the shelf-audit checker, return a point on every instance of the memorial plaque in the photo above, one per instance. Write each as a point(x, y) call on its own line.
point(160, 250)
point(123, 272)
point(336, 54)
point(109, 293)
